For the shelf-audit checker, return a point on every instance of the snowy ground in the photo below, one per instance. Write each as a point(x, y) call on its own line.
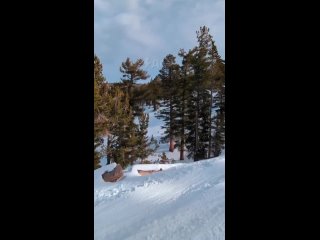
point(184, 201)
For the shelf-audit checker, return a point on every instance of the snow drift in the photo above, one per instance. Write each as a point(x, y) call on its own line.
point(184, 201)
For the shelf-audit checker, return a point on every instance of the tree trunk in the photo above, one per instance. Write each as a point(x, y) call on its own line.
point(182, 150)
point(196, 139)
point(171, 147)
point(108, 151)
point(210, 126)
point(196, 130)
point(182, 127)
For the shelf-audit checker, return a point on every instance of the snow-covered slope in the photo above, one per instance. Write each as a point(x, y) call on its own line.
point(184, 201)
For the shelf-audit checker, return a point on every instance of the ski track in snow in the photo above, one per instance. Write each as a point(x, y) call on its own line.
point(184, 201)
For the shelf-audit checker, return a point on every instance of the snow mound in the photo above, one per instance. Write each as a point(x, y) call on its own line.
point(184, 201)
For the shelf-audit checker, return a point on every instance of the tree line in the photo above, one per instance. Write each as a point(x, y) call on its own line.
point(189, 97)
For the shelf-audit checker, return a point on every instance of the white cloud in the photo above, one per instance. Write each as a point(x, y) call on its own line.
point(101, 5)
point(150, 29)
point(133, 5)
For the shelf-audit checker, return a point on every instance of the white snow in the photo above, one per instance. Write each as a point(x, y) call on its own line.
point(154, 123)
point(184, 201)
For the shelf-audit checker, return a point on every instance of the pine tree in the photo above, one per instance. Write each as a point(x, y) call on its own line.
point(142, 143)
point(153, 145)
point(123, 138)
point(153, 93)
point(199, 101)
point(182, 92)
point(100, 109)
point(205, 46)
point(132, 72)
point(144, 146)
point(219, 107)
point(216, 142)
point(169, 74)
point(192, 100)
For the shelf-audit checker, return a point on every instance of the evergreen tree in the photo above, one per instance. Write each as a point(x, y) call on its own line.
point(122, 139)
point(153, 93)
point(183, 89)
point(219, 108)
point(217, 124)
point(153, 145)
point(192, 100)
point(169, 74)
point(198, 112)
point(100, 109)
point(199, 117)
point(203, 62)
point(132, 72)
point(142, 144)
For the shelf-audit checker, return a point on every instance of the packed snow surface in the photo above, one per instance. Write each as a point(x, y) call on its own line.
point(186, 200)
point(183, 201)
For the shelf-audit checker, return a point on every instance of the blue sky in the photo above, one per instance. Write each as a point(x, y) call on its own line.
point(151, 29)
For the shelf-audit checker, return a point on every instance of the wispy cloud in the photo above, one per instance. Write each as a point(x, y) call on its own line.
point(151, 29)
